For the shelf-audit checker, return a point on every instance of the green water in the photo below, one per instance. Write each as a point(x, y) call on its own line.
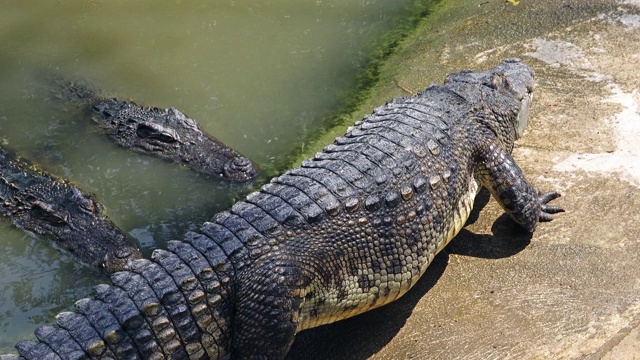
point(260, 76)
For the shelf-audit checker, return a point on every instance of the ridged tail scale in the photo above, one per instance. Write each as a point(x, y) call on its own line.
point(176, 305)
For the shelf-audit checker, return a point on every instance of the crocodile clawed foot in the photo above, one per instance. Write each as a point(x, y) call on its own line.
point(547, 211)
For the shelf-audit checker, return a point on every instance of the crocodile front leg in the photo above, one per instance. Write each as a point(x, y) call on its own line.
point(499, 173)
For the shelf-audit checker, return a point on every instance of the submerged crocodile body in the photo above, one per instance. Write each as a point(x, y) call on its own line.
point(54, 209)
point(350, 230)
point(165, 133)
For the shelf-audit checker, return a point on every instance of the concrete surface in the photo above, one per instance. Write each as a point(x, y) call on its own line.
point(572, 290)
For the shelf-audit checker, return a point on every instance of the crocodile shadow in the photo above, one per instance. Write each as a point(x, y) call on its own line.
point(362, 336)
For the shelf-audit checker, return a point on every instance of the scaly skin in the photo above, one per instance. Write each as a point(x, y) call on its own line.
point(165, 133)
point(54, 209)
point(350, 230)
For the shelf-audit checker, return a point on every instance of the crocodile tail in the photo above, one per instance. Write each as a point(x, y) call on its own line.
point(176, 305)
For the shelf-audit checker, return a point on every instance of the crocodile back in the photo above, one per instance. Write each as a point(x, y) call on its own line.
point(365, 217)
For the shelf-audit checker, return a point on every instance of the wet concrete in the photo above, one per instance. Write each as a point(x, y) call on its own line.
point(572, 289)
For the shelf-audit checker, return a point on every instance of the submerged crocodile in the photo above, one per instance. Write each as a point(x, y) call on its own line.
point(350, 230)
point(165, 133)
point(54, 209)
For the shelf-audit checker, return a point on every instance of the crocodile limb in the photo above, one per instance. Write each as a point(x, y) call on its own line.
point(53, 209)
point(350, 230)
point(165, 133)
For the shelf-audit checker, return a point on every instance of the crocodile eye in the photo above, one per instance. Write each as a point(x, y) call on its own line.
point(46, 212)
point(149, 130)
point(497, 81)
point(87, 206)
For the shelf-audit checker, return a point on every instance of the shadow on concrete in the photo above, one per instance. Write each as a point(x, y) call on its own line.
point(364, 335)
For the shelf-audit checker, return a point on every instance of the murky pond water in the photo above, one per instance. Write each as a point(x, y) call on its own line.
point(257, 75)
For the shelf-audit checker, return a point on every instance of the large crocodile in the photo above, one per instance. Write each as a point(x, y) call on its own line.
point(54, 209)
point(166, 133)
point(350, 230)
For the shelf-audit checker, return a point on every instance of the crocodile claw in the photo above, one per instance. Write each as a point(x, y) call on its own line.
point(547, 211)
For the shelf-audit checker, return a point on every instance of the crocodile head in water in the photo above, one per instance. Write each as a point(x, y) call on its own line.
point(75, 221)
point(169, 134)
point(165, 133)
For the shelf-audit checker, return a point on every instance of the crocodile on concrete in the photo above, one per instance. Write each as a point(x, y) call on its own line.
point(165, 133)
point(350, 230)
point(53, 209)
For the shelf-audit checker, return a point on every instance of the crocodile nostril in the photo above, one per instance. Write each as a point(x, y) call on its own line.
point(120, 259)
point(123, 253)
point(239, 168)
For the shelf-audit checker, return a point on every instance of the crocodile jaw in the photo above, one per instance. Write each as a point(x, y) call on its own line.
point(523, 115)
